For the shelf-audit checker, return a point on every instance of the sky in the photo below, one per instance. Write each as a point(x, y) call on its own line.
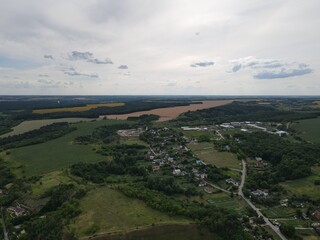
point(178, 47)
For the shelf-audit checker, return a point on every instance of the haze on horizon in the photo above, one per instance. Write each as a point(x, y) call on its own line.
point(142, 47)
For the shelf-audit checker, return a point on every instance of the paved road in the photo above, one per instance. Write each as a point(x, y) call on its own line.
point(5, 234)
point(243, 179)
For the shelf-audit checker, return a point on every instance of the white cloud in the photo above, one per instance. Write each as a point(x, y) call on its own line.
point(159, 40)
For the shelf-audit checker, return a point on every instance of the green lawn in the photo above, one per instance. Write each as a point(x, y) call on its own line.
point(58, 153)
point(309, 129)
point(205, 152)
point(111, 211)
point(305, 185)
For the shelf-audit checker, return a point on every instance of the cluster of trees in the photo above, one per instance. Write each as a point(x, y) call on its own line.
point(145, 118)
point(215, 174)
point(169, 186)
point(41, 135)
point(125, 158)
point(103, 134)
point(218, 220)
point(6, 123)
point(290, 160)
point(242, 111)
point(5, 173)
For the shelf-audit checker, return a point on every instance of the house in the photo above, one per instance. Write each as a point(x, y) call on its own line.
point(260, 193)
point(176, 172)
point(208, 190)
point(233, 182)
point(297, 204)
point(258, 159)
point(284, 202)
point(203, 175)
point(260, 164)
point(281, 133)
point(202, 184)
point(316, 214)
point(155, 168)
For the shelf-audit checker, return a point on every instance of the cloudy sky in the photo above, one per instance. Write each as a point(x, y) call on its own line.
point(210, 47)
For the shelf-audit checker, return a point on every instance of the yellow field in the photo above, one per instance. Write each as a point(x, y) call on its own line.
point(77, 109)
point(316, 104)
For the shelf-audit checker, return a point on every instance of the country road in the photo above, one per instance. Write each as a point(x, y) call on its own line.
point(243, 179)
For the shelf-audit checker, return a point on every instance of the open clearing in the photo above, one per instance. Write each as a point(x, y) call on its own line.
point(58, 153)
point(309, 129)
point(305, 186)
point(111, 211)
point(77, 109)
point(205, 152)
point(172, 112)
point(279, 212)
point(224, 200)
point(30, 125)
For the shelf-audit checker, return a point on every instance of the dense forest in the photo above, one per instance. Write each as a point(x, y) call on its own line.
point(40, 135)
point(242, 111)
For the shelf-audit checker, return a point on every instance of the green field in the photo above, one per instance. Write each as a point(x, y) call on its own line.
point(305, 186)
point(30, 125)
point(58, 153)
point(48, 181)
point(111, 211)
point(307, 234)
point(309, 129)
point(205, 152)
point(279, 212)
point(132, 140)
point(224, 200)
point(163, 232)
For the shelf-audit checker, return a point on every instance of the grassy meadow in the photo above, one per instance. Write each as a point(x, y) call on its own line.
point(30, 125)
point(77, 109)
point(110, 211)
point(208, 154)
point(305, 186)
point(58, 153)
point(309, 129)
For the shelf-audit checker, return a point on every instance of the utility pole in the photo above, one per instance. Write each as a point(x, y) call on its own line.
point(3, 214)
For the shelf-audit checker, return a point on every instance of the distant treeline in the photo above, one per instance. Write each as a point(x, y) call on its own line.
point(41, 135)
point(129, 107)
point(243, 111)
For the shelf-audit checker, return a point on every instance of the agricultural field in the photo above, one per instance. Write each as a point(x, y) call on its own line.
point(58, 153)
point(172, 112)
point(109, 211)
point(77, 109)
point(208, 154)
point(30, 125)
point(309, 129)
point(305, 186)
